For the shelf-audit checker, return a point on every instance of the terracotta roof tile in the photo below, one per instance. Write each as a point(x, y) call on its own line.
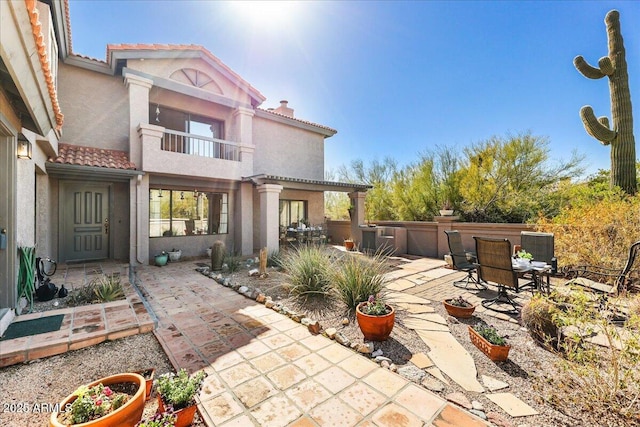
point(88, 156)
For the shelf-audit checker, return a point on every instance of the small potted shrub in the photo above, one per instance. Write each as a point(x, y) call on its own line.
point(489, 341)
point(179, 392)
point(174, 254)
point(375, 318)
point(160, 419)
point(349, 244)
point(459, 307)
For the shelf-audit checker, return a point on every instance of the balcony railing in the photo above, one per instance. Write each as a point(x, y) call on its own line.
point(195, 145)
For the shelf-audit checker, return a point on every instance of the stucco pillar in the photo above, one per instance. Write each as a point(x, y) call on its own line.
point(243, 134)
point(357, 215)
point(269, 216)
point(150, 138)
point(138, 112)
point(139, 220)
point(244, 218)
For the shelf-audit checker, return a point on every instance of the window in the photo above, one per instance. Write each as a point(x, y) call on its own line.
point(187, 213)
point(292, 212)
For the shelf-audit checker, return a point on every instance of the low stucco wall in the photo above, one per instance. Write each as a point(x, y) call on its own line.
point(428, 238)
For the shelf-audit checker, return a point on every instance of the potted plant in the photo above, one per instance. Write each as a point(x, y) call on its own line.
point(148, 375)
point(447, 208)
point(349, 244)
point(174, 254)
point(489, 341)
point(459, 307)
point(375, 318)
point(179, 391)
point(160, 419)
point(117, 400)
point(161, 259)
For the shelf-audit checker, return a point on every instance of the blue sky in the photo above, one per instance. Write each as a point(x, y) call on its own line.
point(398, 78)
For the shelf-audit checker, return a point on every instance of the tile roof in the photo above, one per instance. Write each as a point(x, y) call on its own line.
point(298, 120)
point(45, 63)
point(88, 156)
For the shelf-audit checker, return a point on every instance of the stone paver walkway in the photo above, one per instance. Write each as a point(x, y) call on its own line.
point(267, 370)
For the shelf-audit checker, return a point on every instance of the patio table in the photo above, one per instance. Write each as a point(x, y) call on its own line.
point(540, 274)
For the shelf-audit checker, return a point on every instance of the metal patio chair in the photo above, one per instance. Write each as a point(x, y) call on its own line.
point(461, 261)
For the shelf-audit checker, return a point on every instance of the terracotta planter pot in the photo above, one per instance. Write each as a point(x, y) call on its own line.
point(375, 328)
point(497, 353)
point(148, 375)
point(185, 415)
point(127, 415)
point(349, 245)
point(457, 311)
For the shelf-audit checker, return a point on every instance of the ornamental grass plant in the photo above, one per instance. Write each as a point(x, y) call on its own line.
point(356, 277)
point(308, 268)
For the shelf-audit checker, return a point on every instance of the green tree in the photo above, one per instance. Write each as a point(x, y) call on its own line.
point(509, 179)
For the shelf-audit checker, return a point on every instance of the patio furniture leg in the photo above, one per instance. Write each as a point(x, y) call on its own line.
point(502, 298)
point(470, 280)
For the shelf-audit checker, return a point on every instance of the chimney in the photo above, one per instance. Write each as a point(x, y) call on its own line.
point(284, 110)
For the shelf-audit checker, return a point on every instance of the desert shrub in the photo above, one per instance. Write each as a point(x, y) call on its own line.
point(356, 277)
point(308, 268)
point(274, 259)
point(537, 316)
point(105, 288)
point(233, 262)
point(602, 380)
point(595, 230)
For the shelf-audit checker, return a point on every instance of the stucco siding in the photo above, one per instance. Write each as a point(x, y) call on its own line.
point(287, 151)
point(97, 108)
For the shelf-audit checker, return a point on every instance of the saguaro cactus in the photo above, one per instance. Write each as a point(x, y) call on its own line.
point(218, 250)
point(620, 136)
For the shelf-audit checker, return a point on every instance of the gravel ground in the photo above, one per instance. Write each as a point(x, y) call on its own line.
point(47, 381)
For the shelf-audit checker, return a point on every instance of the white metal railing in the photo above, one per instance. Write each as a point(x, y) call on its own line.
point(196, 145)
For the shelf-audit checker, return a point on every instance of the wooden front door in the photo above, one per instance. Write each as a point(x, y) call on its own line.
point(85, 222)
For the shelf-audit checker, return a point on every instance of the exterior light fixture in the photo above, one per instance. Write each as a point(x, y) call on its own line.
point(159, 193)
point(24, 147)
point(157, 113)
point(182, 195)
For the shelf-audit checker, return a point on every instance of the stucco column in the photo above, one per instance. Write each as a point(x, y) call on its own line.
point(150, 138)
point(269, 216)
point(138, 112)
point(139, 220)
point(243, 134)
point(244, 218)
point(357, 217)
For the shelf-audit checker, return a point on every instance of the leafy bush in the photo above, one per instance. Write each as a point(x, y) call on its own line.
point(602, 380)
point(356, 277)
point(308, 268)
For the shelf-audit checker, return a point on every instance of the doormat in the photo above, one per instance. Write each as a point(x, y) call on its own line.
point(26, 328)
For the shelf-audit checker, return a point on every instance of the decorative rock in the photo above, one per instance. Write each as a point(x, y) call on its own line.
point(295, 317)
point(459, 399)
point(243, 289)
point(255, 293)
point(478, 413)
point(477, 405)
point(345, 321)
point(432, 384)
point(342, 339)
point(453, 320)
point(312, 325)
point(393, 367)
point(412, 373)
point(254, 272)
point(381, 359)
point(498, 419)
point(268, 303)
point(365, 348)
point(226, 282)
point(235, 286)
point(331, 332)
point(493, 384)
point(278, 307)
point(377, 353)
point(261, 298)
point(385, 364)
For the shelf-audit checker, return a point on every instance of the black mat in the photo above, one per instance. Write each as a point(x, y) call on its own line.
point(33, 327)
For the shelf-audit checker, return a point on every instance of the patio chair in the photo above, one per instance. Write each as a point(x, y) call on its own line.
point(540, 245)
point(609, 281)
point(462, 262)
point(494, 258)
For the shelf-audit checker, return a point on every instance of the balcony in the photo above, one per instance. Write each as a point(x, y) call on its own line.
point(174, 152)
point(195, 145)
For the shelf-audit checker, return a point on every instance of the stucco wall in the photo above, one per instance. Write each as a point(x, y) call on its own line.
point(96, 108)
point(287, 151)
point(315, 203)
point(26, 203)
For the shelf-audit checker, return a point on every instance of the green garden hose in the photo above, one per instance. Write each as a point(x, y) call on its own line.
point(26, 274)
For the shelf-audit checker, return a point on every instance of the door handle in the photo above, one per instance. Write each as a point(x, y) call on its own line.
point(106, 226)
